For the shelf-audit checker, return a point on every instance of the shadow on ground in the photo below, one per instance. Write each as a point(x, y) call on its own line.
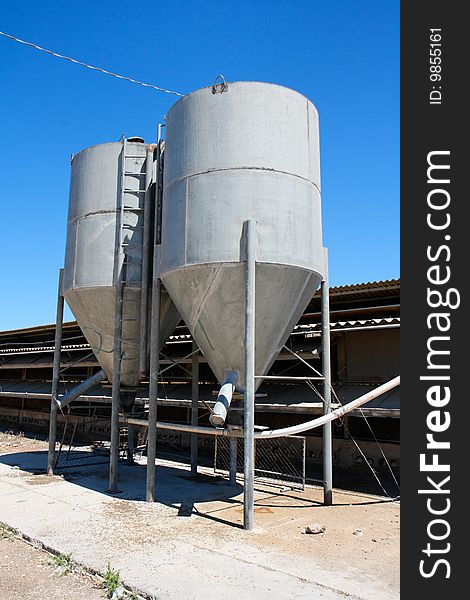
point(175, 487)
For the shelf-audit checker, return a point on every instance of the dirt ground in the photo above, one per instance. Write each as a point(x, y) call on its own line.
point(27, 573)
point(17, 442)
point(361, 531)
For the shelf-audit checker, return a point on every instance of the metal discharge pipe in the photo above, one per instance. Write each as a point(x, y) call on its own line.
point(224, 398)
point(273, 433)
point(81, 389)
point(334, 414)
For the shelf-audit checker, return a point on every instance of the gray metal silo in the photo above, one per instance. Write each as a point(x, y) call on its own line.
point(238, 152)
point(109, 210)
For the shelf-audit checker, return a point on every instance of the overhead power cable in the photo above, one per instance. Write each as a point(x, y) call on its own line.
point(83, 64)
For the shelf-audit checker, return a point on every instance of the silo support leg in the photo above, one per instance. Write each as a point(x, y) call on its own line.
point(249, 404)
point(114, 444)
point(233, 460)
point(51, 456)
point(153, 391)
point(194, 407)
point(326, 359)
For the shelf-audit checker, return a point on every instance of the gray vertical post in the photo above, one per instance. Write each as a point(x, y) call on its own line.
point(153, 388)
point(131, 434)
point(154, 365)
point(143, 349)
point(55, 375)
point(194, 407)
point(115, 401)
point(249, 403)
point(326, 359)
point(233, 460)
point(117, 350)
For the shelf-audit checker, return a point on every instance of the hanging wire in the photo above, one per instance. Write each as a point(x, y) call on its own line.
point(394, 500)
point(335, 395)
point(373, 435)
point(83, 64)
point(380, 448)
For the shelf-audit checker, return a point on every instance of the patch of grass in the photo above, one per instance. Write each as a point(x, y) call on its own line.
point(6, 532)
point(112, 581)
point(63, 563)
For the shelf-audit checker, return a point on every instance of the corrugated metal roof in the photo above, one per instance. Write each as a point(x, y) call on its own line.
point(40, 348)
point(39, 328)
point(371, 289)
point(385, 284)
point(385, 322)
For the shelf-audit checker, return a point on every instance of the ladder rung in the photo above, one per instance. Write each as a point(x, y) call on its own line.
point(128, 226)
point(135, 174)
point(128, 319)
point(126, 191)
point(131, 208)
point(135, 156)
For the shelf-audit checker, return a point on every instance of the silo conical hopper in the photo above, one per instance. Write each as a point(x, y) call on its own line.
point(235, 152)
point(89, 278)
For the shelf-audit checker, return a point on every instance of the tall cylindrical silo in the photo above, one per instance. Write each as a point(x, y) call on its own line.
point(89, 278)
point(241, 151)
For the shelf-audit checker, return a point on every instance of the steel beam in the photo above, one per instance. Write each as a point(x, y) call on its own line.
point(249, 403)
point(233, 460)
point(194, 408)
point(154, 365)
point(143, 347)
point(51, 456)
point(326, 359)
point(117, 354)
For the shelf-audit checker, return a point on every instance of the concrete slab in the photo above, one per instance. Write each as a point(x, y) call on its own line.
point(189, 544)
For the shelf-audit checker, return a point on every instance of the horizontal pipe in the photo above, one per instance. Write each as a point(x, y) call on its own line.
point(288, 378)
point(335, 414)
point(273, 433)
point(179, 427)
point(81, 388)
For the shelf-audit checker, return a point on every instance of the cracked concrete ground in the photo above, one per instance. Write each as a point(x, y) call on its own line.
point(190, 544)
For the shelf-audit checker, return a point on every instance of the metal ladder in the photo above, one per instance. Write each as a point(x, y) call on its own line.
point(120, 280)
point(122, 258)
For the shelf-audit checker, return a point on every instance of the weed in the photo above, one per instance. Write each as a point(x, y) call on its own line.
point(112, 581)
point(6, 532)
point(63, 563)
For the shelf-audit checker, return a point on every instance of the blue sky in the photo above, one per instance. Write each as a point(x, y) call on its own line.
point(342, 54)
